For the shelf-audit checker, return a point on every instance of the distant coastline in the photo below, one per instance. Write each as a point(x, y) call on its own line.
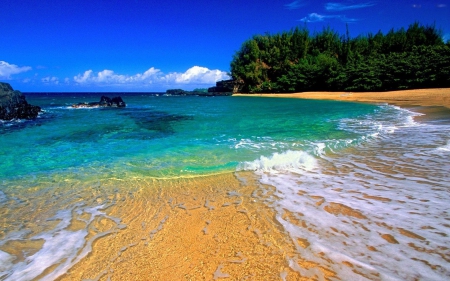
point(404, 98)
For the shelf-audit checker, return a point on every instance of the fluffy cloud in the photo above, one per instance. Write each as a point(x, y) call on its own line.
point(50, 80)
point(295, 5)
point(109, 77)
point(6, 69)
point(343, 7)
point(315, 17)
point(195, 75)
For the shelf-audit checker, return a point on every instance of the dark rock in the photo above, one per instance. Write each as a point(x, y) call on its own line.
point(13, 104)
point(104, 102)
point(117, 101)
point(226, 87)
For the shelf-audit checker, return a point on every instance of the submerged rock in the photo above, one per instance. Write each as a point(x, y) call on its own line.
point(104, 102)
point(13, 104)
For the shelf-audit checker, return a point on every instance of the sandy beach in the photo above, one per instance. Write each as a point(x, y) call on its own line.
point(419, 97)
point(352, 207)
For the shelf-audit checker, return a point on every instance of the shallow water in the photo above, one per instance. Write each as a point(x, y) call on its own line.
point(222, 187)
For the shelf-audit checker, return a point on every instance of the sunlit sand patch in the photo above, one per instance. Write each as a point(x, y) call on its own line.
point(319, 200)
point(410, 234)
point(22, 249)
point(184, 229)
point(341, 209)
point(379, 198)
point(294, 218)
point(317, 271)
point(391, 239)
point(302, 242)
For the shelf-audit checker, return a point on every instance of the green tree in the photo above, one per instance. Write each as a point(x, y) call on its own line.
point(297, 61)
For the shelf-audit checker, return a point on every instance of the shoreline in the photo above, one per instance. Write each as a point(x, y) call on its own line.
point(237, 225)
point(403, 98)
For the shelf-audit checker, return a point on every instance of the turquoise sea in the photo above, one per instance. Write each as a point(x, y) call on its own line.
point(169, 136)
point(325, 158)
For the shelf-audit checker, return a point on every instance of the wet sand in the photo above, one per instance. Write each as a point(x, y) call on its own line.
point(206, 228)
point(419, 97)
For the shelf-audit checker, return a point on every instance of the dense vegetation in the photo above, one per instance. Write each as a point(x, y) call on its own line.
point(296, 61)
point(200, 92)
point(180, 92)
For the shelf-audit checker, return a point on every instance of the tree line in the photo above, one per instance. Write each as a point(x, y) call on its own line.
point(297, 61)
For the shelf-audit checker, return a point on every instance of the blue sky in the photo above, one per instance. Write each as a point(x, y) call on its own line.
point(137, 45)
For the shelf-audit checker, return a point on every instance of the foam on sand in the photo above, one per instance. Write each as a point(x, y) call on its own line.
point(377, 211)
point(59, 248)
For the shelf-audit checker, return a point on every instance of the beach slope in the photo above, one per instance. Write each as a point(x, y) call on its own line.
point(418, 97)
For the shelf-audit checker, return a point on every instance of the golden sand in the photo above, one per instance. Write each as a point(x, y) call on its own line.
point(205, 228)
point(419, 97)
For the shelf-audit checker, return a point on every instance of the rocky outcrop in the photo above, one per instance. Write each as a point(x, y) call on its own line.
point(14, 106)
point(104, 102)
point(226, 87)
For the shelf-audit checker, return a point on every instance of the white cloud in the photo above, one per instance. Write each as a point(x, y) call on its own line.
point(343, 7)
point(50, 80)
point(295, 5)
point(109, 77)
point(195, 75)
point(6, 69)
point(83, 79)
point(315, 17)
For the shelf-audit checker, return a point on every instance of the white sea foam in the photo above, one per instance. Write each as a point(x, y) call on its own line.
point(9, 123)
point(247, 143)
point(259, 144)
point(320, 148)
point(386, 121)
point(62, 247)
point(287, 161)
point(376, 213)
point(376, 207)
point(445, 147)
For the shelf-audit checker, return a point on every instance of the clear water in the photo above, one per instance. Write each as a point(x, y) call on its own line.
point(167, 136)
point(360, 189)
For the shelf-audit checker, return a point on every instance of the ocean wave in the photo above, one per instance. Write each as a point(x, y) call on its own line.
point(366, 213)
point(366, 207)
point(261, 144)
point(12, 122)
point(293, 161)
point(445, 147)
point(386, 120)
